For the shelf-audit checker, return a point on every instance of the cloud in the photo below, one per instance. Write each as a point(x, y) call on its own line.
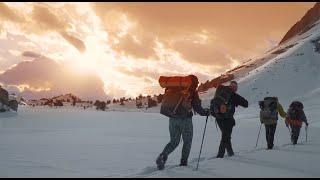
point(44, 73)
point(30, 54)
point(140, 72)
point(201, 53)
point(240, 28)
point(8, 14)
point(115, 91)
point(142, 48)
point(74, 41)
point(43, 19)
point(47, 20)
point(152, 75)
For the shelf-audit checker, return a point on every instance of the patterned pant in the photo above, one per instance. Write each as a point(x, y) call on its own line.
point(180, 127)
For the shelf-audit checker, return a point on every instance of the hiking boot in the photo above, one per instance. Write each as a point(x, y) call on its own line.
point(183, 162)
point(270, 146)
point(295, 141)
point(229, 149)
point(161, 160)
point(219, 156)
point(231, 153)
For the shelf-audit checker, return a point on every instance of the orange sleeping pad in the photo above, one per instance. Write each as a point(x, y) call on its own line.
point(175, 81)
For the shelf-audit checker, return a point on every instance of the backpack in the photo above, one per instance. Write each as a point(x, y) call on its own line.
point(176, 102)
point(295, 109)
point(221, 104)
point(269, 108)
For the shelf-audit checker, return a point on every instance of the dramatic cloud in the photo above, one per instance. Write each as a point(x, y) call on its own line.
point(30, 54)
point(143, 48)
point(74, 41)
point(207, 53)
point(129, 45)
point(42, 19)
point(47, 19)
point(240, 27)
point(140, 73)
point(8, 14)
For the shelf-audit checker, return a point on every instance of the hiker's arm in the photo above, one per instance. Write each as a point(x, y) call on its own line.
point(281, 111)
point(212, 108)
point(303, 117)
point(196, 105)
point(239, 100)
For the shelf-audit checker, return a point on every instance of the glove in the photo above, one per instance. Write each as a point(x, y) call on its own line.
point(287, 124)
point(307, 124)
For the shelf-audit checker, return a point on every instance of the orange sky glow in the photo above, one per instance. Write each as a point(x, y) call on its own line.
point(121, 49)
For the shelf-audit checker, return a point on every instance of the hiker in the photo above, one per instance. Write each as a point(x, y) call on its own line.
point(294, 119)
point(4, 96)
point(270, 108)
point(177, 104)
point(222, 107)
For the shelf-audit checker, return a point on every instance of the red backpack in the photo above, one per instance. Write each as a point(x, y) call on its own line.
point(176, 99)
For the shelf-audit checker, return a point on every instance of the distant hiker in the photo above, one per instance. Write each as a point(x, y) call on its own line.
point(179, 98)
point(222, 107)
point(4, 96)
point(270, 108)
point(294, 119)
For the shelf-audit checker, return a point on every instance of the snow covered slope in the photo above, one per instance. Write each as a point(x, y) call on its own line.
point(291, 75)
point(291, 71)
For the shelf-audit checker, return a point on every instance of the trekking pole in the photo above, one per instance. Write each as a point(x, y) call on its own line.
point(204, 131)
point(258, 135)
point(216, 124)
point(306, 128)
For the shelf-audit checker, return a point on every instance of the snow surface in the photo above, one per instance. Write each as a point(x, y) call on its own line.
point(72, 142)
point(41, 142)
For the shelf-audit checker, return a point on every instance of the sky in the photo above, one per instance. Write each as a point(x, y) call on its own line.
point(107, 50)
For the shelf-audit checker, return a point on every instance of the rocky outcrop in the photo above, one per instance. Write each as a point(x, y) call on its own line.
point(215, 82)
point(306, 23)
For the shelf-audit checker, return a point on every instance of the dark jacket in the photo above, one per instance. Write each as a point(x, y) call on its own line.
point(236, 100)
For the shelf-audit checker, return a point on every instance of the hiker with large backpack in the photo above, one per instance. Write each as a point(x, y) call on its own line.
point(270, 107)
point(294, 119)
point(179, 99)
point(222, 107)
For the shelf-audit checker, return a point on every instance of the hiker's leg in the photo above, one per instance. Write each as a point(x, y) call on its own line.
point(273, 128)
point(292, 133)
point(187, 135)
point(296, 132)
point(175, 135)
point(223, 140)
point(228, 139)
point(267, 127)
